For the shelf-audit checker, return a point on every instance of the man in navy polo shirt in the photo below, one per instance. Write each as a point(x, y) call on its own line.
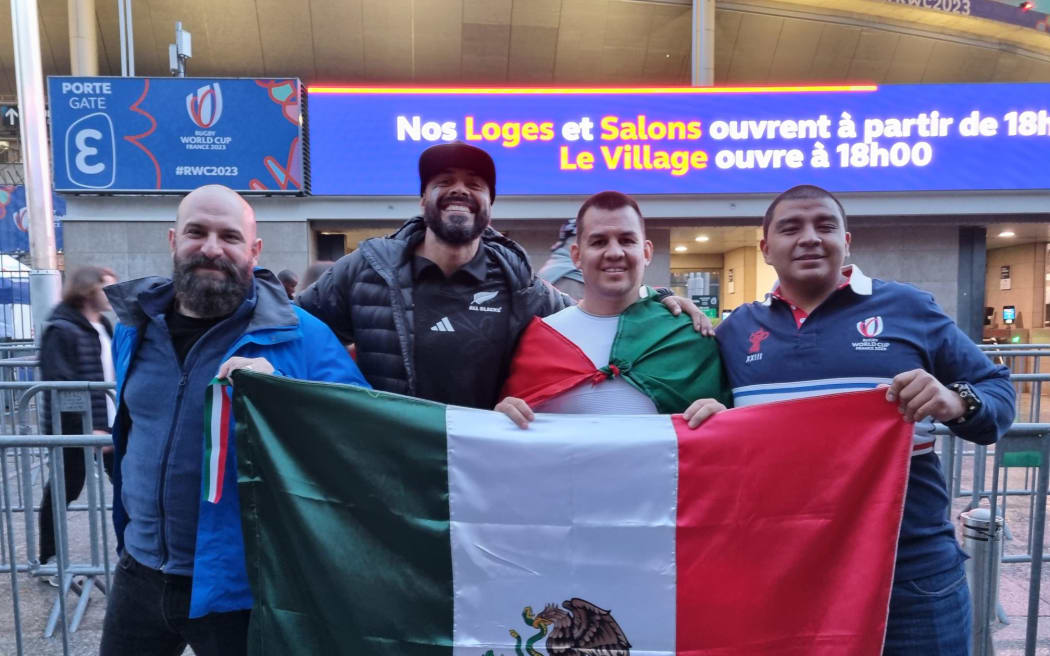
point(827, 328)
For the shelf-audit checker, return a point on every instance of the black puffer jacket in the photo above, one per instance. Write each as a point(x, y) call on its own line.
point(71, 350)
point(366, 298)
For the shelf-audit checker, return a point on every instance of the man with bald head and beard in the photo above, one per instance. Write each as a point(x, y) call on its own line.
point(436, 308)
point(181, 579)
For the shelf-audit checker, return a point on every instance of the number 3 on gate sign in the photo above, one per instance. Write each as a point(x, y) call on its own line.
point(91, 152)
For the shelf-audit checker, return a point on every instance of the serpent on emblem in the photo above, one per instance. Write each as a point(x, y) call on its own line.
point(534, 622)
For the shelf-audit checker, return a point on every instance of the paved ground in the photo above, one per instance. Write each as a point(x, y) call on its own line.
point(37, 597)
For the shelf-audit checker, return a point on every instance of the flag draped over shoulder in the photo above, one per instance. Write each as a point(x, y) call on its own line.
point(378, 524)
point(659, 354)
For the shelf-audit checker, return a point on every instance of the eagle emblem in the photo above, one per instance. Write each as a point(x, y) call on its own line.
point(582, 629)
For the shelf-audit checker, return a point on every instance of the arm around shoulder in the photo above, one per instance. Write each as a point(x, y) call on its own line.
point(549, 299)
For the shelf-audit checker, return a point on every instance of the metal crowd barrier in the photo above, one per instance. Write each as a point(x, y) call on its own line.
point(23, 471)
point(1022, 437)
point(1026, 447)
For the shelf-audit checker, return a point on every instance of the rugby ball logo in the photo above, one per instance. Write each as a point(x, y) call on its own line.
point(870, 327)
point(205, 105)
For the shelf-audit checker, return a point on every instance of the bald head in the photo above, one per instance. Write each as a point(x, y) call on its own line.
point(217, 200)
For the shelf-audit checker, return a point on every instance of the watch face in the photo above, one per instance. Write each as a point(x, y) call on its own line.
point(969, 397)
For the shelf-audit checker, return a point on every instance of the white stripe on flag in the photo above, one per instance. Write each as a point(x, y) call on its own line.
point(216, 442)
point(530, 516)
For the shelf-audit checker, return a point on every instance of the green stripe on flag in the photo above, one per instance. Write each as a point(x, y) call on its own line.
point(382, 531)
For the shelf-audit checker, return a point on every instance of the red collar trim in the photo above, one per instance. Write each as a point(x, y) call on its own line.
point(797, 312)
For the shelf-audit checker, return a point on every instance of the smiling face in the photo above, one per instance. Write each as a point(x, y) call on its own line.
point(807, 244)
point(214, 249)
point(612, 252)
point(456, 206)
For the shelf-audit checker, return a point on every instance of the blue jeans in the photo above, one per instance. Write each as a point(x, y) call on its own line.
point(147, 615)
point(930, 616)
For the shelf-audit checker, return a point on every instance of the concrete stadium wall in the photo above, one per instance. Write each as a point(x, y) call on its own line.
point(135, 249)
point(925, 256)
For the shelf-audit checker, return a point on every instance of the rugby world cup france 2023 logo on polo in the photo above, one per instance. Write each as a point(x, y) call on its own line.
point(869, 330)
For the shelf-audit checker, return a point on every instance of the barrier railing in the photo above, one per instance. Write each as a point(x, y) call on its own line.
point(63, 568)
point(1023, 438)
point(23, 471)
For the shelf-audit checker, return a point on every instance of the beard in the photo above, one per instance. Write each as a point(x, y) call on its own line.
point(457, 229)
point(206, 295)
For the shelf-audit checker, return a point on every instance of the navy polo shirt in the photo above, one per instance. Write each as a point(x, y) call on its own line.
point(865, 333)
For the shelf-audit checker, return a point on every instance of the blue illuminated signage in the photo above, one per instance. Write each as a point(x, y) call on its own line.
point(113, 134)
point(690, 141)
point(1026, 14)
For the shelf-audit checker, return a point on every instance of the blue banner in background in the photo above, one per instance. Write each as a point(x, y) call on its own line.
point(14, 220)
point(112, 134)
point(690, 141)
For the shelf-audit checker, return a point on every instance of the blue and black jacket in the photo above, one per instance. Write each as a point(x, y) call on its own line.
point(205, 541)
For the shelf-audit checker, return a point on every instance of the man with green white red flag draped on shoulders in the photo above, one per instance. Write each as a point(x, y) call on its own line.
point(618, 351)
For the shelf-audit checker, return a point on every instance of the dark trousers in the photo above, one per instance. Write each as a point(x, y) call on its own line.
point(73, 468)
point(146, 615)
point(930, 616)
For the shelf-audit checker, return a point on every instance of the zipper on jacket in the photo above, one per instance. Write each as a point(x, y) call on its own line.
point(185, 369)
point(164, 467)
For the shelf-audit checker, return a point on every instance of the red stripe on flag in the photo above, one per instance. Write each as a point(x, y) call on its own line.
point(224, 436)
point(788, 517)
point(546, 364)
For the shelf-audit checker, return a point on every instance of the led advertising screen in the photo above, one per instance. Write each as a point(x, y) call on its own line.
point(690, 140)
point(1026, 13)
point(114, 134)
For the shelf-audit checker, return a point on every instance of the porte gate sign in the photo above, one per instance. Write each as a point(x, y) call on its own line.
point(114, 134)
point(690, 140)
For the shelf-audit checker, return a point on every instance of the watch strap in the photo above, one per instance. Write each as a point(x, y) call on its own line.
point(970, 398)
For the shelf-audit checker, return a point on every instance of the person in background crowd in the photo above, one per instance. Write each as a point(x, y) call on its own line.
point(828, 328)
point(76, 346)
point(559, 269)
point(181, 578)
point(435, 309)
point(313, 272)
point(289, 280)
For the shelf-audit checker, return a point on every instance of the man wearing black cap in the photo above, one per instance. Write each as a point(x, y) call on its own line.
point(436, 308)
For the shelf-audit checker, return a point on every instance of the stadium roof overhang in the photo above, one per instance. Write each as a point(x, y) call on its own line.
point(540, 42)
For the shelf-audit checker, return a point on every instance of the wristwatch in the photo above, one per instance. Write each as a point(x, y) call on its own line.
point(970, 399)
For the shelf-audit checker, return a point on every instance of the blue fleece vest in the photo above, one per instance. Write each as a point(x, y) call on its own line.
point(162, 467)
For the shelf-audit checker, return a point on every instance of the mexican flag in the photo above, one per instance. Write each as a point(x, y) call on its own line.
point(383, 525)
point(658, 354)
